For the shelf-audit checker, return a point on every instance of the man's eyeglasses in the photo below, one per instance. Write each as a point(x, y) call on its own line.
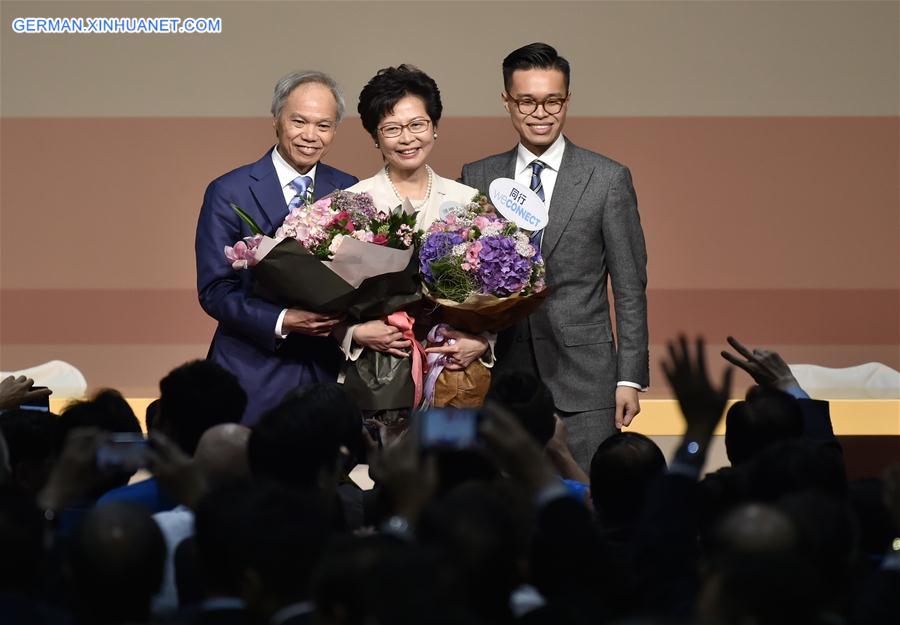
point(416, 126)
point(527, 106)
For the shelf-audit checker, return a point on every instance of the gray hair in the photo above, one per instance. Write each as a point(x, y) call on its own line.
point(286, 84)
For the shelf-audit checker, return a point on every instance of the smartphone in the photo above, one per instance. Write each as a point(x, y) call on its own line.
point(124, 450)
point(455, 428)
point(40, 404)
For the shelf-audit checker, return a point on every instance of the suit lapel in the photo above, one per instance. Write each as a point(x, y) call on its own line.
point(324, 182)
point(570, 185)
point(504, 167)
point(265, 188)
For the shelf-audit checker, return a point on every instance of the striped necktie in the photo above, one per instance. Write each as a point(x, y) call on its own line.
point(303, 186)
point(538, 187)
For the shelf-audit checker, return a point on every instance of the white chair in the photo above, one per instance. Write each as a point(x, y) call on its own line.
point(62, 378)
point(872, 380)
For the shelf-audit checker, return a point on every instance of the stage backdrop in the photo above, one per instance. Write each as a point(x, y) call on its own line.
point(763, 140)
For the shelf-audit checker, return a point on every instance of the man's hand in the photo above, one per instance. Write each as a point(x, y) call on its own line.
point(627, 405)
point(381, 337)
point(766, 367)
point(515, 450)
point(177, 473)
point(557, 450)
point(75, 474)
point(310, 323)
point(701, 404)
point(17, 391)
point(460, 348)
point(408, 478)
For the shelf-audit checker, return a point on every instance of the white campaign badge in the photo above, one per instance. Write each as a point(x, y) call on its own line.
point(518, 204)
point(447, 208)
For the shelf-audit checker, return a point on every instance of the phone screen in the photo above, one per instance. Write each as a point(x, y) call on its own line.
point(448, 427)
point(41, 404)
point(124, 451)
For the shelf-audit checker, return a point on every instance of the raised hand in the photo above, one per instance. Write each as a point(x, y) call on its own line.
point(515, 450)
point(409, 479)
point(701, 403)
point(15, 391)
point(75, 473)
point(177, 473)
point(767, 368)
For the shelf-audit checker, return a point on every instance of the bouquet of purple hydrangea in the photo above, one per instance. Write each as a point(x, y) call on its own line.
point(471, 259)
point(482, 274)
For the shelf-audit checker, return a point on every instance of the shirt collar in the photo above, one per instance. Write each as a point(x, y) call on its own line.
point(552, 156)
point(286, 173)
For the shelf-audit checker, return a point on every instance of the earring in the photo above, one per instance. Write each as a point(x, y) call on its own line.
point(376, 145)
point(434, 135)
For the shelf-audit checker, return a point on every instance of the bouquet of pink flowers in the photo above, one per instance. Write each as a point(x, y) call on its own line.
point(336, 255)
point(483, 274)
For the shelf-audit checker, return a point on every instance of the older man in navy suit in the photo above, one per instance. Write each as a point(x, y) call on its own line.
point(269, 348)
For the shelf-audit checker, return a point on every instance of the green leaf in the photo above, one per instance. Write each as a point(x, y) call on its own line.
point(247, 218)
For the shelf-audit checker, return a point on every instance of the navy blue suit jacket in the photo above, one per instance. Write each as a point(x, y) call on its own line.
point(245, 342)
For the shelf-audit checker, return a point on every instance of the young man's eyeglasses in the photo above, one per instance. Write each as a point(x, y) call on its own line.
point(528, 106)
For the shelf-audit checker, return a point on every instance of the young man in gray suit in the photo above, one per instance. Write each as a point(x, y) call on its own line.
point(593, 235)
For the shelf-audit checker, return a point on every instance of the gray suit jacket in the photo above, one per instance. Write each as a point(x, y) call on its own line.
point(594, 234)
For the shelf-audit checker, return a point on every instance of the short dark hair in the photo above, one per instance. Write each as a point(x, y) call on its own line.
point(30, 435)
point(534, 56)
point(765, 417)
point(529, 399)
point(196, 396)
point(107, 410)
point(301, 436)
point(390, 85)
point(622, 470)
point(117, 555)
point(31, 440)
point(279, 533)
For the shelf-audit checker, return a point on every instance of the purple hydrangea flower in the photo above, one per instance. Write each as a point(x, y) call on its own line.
point(436, 246)
point(359, 205)
point(502, 271)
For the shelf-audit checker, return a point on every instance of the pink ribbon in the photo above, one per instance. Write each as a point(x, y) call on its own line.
point(404, 323)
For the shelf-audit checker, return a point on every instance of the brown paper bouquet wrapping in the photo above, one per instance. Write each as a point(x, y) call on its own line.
point(478, 313)
point(463, 389)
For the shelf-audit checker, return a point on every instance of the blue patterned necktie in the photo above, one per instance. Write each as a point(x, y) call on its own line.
point(538, 187)
point(303, 186)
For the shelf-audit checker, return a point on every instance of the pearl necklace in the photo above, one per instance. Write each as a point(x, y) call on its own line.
point(427, 189)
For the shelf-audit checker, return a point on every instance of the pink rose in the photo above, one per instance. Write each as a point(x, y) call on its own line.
point(380, 239)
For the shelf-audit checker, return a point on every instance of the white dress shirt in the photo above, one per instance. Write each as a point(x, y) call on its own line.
point(286, 175)
point(552, 159)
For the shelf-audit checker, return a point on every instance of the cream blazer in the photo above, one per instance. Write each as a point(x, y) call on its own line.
point(443, 190)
